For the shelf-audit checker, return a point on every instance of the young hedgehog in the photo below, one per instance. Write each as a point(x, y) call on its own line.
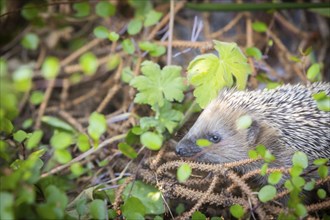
point(285, 120)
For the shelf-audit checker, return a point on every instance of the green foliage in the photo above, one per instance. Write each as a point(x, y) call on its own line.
point(322, 101)
point(23, 79)
point(203, 142)
point(244, 122)
point(127, 150)
point(36, 97)
point(300, 159)
point(88, 63)
point(101, 32)
point(321, 193)
point(153, 49)
point(134, 26)
point(50, 68)
point(98, 209)
point(152, 17)
point(30, 11)
point(209, 73)
point(313, 72)
point(105, 9)
point(34, 139)
point(30, 41)
point(128, 46)
point(82, 9)
point(61, 140)
point(151, 140)
point(97, 126)
point(83, 142)
point(156, 85)
point(113, 36)
point(197, 215)
point(267, 193)
point(237, 211)
point(254, 52)
point(148, 195)
point(113, 62)
point(274, 177)
point(133, 209)
point(259, 26)
point(183, 173)
point(57, 123)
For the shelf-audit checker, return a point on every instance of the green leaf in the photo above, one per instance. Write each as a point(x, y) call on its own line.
point(254, 52)
point(244, 122)
point(209, 73)
point(20, 136)
point(267, 193)
point(321, 193)
point(152, 17)
point(133, 206)
point(296, 171)
point(128, 46)
point(101, 32)
point(156, 85)
point(34, 140)
point(62, 156)
point(50, 68)
point(151, 140)
point(324, 104)
point(237, 211)
point(263, 169)
point(127, 75)
point(56, 197)
point(105, 9)
point(309, 186)
point(147, 46)
point(6, 126)
point(319, 96)
point(180, 209)
point(30, 11)
point(253, 154)
point(261, 150)
point(98, 209)
point(274, 177)
point(27, 123)
point(298, 182)
point(259, 26)
point(36, 97)
point(197, 215)
point(30, 41)
point(313, 72)
point(134, 26)
point(323, 171)
point(57, 123)
point(203, 143)
point(77, 169)
point(7, 205)
point(89, 63)
point(168, 118)
point(113, 62)
point(321, 161)
point(82, 9)
point(61, 140)
point(97, 125)
point(183, 173)
point(148, 195)
point(23, 79)
point(113, 36)
point(83, 143)
point(127, 150)
point(300, 159)
point(300, 210)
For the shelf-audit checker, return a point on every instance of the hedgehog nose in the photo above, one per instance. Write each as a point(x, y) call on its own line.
point(180, 151)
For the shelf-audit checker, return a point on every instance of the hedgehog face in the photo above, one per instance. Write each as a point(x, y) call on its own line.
point(228, 143)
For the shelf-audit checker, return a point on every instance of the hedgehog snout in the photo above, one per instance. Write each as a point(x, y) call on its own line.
point(187, 148)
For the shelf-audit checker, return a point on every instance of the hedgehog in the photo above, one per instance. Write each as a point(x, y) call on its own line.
point(284, 120)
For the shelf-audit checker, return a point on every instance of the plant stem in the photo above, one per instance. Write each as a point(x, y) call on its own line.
point(252, 6)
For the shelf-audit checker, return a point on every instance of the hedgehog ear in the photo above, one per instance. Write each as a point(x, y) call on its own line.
point(253, 133)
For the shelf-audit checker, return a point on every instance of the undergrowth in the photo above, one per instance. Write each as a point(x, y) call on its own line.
point(90, 110)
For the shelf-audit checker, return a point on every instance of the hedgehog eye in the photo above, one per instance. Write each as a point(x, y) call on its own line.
point(214, 138)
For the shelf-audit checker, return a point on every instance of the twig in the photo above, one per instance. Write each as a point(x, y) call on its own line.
point(170, 34)
point(228, 26)
point(44, 103)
